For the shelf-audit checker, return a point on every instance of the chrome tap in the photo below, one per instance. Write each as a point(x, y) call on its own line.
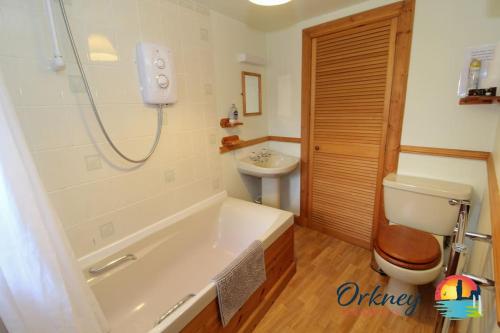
point(254, 157)
point(264, 152)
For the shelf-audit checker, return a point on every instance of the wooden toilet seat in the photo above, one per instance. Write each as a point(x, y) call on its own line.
point(408, 248)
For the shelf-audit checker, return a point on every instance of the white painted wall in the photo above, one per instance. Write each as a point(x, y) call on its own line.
point(230, 38)
point(432, 116)
point(63, 134)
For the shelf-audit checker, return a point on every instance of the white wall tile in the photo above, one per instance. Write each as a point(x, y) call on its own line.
point(151, 21)
point(23, 33)
point(87, 182)
point(46, 127)
point(95, 12)
point(31, 83)
point(84, 129)
point(55, 168)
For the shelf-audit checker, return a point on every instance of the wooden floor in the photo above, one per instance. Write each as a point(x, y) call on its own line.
point(309, 302)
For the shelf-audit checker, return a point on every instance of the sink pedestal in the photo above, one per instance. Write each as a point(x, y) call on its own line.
point(271, 191)
point(269, 166)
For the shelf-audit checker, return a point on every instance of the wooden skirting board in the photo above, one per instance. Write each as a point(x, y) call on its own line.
point(252, 142)
point(280, 268)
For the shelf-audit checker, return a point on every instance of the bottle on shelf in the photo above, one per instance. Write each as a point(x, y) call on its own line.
point(233, 114)
point(474, 73)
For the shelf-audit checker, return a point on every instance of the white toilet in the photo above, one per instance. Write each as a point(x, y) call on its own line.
point(406, 250)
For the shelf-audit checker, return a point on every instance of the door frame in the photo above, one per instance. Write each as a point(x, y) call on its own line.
point(404, 12)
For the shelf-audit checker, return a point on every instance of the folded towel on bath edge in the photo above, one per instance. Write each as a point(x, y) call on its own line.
point(236, 283)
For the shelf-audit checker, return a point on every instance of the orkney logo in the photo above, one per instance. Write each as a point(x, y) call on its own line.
point(458, 297)
point(349, 294)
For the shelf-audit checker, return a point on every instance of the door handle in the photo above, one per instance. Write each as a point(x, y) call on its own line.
point(316, 148)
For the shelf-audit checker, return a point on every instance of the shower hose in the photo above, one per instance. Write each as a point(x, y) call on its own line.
point(94, 107)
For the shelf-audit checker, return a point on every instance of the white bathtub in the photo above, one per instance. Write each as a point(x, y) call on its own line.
point(176, 257)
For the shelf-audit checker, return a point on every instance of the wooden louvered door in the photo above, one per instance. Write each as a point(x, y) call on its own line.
point(351, 80)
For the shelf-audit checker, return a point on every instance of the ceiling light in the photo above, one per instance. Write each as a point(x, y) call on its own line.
point(269, 2)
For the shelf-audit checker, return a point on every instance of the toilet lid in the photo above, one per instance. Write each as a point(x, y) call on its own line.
point(408, 248)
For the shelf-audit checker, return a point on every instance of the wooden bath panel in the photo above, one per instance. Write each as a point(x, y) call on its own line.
point(280, 267)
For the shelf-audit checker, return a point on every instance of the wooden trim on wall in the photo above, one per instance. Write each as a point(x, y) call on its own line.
point(284, 139)
point(445, 152)
point(494, 196)
point(252, 142)
point(367, 17)
point(243, 144)
point(388, 125)
point(397, 105)
point(305, 124)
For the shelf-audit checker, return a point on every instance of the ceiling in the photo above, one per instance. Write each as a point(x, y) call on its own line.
point(276, 17)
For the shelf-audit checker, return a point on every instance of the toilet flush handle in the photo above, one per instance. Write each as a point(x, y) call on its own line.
point(453, 202)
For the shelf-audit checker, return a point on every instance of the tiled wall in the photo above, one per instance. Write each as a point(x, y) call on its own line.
point(99, 198)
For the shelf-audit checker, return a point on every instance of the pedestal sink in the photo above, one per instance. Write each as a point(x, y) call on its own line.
point(270, 166)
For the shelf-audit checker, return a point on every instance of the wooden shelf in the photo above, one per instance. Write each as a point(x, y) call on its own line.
point(225, 123)
point(470, 100)
point(240, 144)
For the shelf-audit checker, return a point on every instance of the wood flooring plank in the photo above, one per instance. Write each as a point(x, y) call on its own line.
point(309, 302)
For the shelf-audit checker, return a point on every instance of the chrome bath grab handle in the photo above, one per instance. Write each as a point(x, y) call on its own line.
point(111, 264)
point(173, 309)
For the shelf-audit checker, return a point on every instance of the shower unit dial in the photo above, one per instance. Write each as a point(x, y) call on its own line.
point(156, 73)
point(163, 81)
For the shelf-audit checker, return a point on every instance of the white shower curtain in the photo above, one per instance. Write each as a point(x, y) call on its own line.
point(42, 289)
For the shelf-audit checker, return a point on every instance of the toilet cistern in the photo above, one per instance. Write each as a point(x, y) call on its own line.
point(268, 165)
point(407, 250)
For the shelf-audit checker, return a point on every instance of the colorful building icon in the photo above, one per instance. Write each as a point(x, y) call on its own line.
point(458, 297)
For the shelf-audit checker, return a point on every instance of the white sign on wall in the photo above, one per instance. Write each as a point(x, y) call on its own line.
point(485, 53)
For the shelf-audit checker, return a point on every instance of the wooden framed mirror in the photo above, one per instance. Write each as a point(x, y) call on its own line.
point(252, 93)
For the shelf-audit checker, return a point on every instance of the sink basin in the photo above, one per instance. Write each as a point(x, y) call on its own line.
point(269, 166)
point(275, 165)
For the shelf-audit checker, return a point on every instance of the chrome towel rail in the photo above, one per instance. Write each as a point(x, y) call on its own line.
point(482, 281)
point(173, 309)
point(478, 237)
point(112, 264)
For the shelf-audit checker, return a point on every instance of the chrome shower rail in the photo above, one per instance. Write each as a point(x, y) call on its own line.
point(173, 309)
point(112, 264)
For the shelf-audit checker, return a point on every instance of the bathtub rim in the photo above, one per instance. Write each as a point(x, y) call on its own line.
point(99, 255)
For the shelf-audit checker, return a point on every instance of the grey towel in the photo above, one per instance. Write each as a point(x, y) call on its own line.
point(239, 280)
